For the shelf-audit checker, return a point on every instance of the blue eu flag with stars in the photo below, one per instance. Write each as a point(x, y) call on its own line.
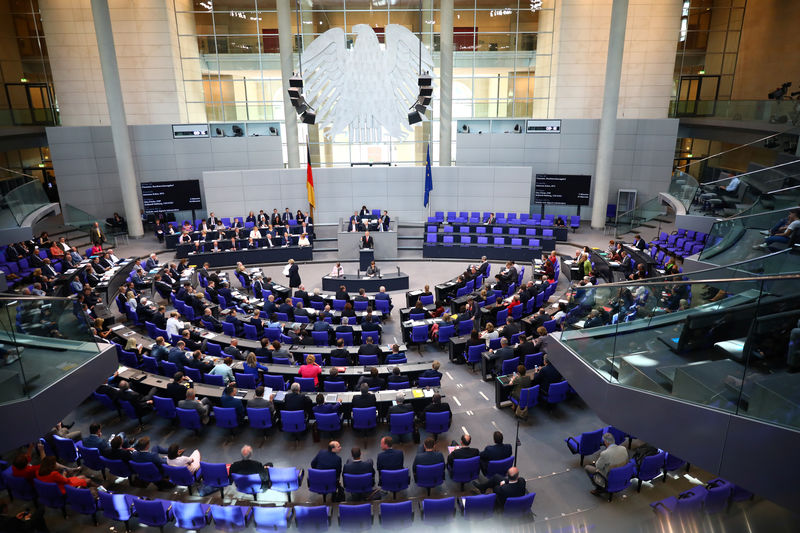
point(428, 177)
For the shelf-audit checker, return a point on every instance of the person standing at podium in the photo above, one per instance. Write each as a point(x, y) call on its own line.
point(367, 242)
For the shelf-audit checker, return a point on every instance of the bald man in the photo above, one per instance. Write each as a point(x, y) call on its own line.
point(247, 465)
point(509, 486)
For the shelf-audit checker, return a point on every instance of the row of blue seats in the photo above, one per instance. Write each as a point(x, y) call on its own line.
point(475, 217)
point(293, 422)
point(716, 496)
point(493, 230)
point(193, 516)
point(449, 240)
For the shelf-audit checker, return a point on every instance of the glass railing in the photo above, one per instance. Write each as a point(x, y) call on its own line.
point(78, 218)
point(23, 200)
point(720, 343)
point(683, 187)
point(734, 239)
point(628, 221)
point(41, 341)
point(772, 111)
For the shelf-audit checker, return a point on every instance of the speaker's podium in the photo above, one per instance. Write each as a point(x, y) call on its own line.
point(365, 257)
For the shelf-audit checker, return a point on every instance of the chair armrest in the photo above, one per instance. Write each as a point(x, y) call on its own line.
point(301, 476)
point(572, 439)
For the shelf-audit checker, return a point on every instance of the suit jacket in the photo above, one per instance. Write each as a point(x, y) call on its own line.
point(546, 376)
point(428, 458)
point(437, 408)
point(147, 457)
point(364, 400)
point(327, 460)
point(364, 466)
point(494, 452)
point(93, 441)
point(509, 490)
point(233, 402)
point(367, 242)
point(501, 355)
point(297, 402)
point(201, 408)
point(465, 452)
point(390, 459)
point(176, 391)
point(369, 349)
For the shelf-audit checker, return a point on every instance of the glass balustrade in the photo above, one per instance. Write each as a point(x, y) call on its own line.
point(733, 239)
point(772, 111)
point(42, 340)
point(728, 344)
point(627, 222)
point(23, 200)
point(78, 218)
point(683, 187)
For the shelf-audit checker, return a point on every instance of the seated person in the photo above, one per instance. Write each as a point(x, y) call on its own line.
point(495, 452)
point(397, 377)
point(247, 466)
point(509, 486)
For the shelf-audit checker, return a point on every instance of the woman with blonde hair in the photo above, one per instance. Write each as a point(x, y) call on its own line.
point(310, 370)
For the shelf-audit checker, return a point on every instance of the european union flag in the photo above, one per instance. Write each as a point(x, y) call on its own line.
point(428, 177)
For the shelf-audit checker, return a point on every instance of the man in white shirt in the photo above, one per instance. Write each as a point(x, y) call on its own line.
point(174, 325)
point(792, 226)
point(254, 233)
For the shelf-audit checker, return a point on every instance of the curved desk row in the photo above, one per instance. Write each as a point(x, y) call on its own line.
point(247, 256)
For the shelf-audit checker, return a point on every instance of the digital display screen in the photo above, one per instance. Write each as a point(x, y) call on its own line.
point(171, 196)
point(562, 189)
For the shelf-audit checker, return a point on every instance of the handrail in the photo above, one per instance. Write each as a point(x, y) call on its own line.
point(772, 277)
point(670, 277)
point(760, 214)
point(786, 188)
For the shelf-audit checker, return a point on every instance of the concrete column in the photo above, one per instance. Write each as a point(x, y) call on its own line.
point(445, 82)
point(608, 119)
point(285, 38)
point(116, 112)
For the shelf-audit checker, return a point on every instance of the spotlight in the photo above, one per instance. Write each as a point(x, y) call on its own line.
point(308, 117)
point(301, 105)
point(780, 92)
point(237, 131)
point(296, 81)
point(420, 106)
point(272, 131)
point(517, 128)
point(464, 128)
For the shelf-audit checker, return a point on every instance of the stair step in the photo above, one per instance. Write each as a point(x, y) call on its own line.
point(326, 250)
point(409, 237)
point(409, 247)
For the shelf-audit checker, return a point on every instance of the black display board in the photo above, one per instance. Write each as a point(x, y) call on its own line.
point(562, 189)
point(170, 196)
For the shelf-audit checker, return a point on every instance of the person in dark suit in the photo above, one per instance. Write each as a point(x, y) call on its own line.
point(509, 486)
point(465, 451)
point(297, 401)
point(436, 406)
point(397, 377)
point(342, 294)
point(294, 275)
point(229, 400)
point(372, 380)
point(328, 459)
point(365, 399)
point(142, 404)
point(429, 456)
point(286, 307)
point(248, 466)
point(369, 348)
point(233, 350)
point(142, 453)
point(433, 371)
point(366, 242)
point(501, 354)
point(639, 243)
point(510, 329)
point(389, 458)
point(495, 452)
point(356, 465)
point(525, 347)
point(491, 219)
point(546, 375)
point(302, 293)
point(177, 388)
point(384, 221)
point(345, 327)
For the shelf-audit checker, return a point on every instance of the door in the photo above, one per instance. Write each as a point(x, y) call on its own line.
point(31, 103)
point(697, 96)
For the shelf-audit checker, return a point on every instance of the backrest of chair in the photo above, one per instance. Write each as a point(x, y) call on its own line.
point(293, 421)
point(401, 423)
point(480, 505)
point(509, 366)
point(228, 516)
point(49, 494)
point(358, 482)
point(651, 465)
point(499, 466)
point(620, 477)
point(115, 506)
point(557, 392)
point(364, 417)
point(328, 421)
point(519, 505)
point(429, 382)
point(438, 508)
point(215, 474)
point(396, 513)
point(529, 397)
point(306, 384)
point(165, 407)
point(315, 518)
point(466, 468)
point(151, 512)
point(334, 386)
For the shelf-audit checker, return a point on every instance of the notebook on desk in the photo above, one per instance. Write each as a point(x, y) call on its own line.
point(330, 398)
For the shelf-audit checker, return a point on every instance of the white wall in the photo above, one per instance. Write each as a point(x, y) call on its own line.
point(643, 154)
point(340, 191)
point(581, 49)
point(86, 168)
point(146, 43)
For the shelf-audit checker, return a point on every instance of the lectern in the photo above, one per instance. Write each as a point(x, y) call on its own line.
point(365, 256)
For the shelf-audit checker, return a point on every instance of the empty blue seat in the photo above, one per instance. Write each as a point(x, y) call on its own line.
point(438, 510)
point(586, 443)
point(312, 518)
